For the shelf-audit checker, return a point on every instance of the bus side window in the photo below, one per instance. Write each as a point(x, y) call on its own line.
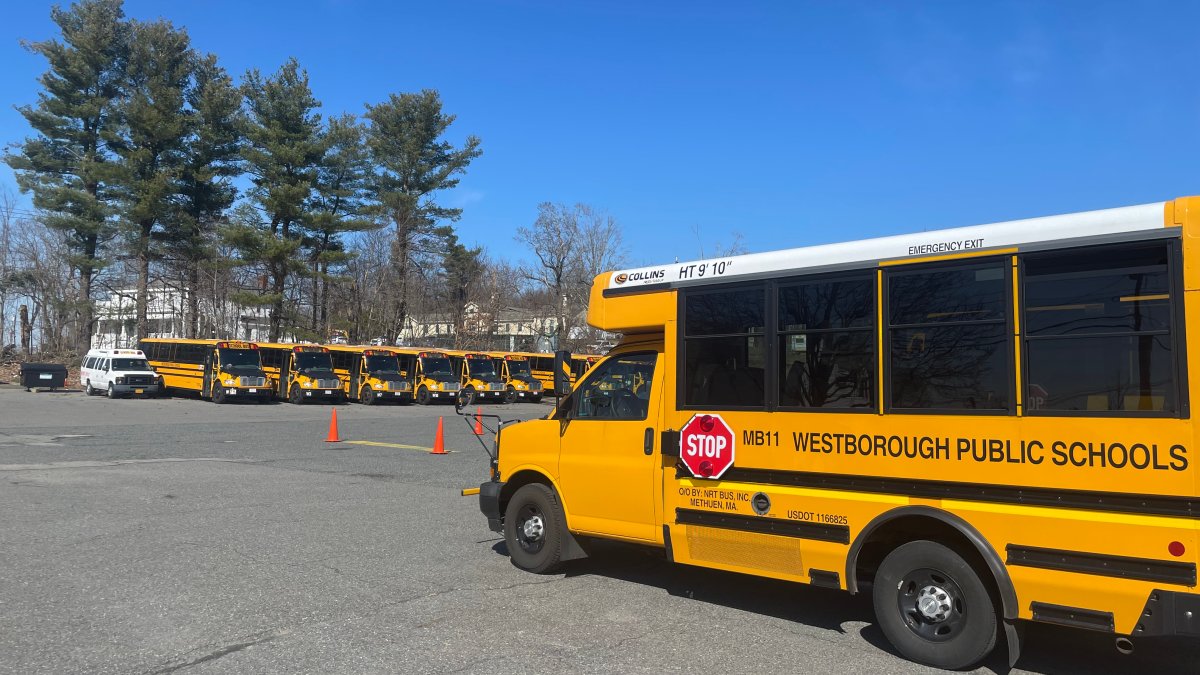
point(948, 339)
point(610, 392)
point(1099, 330)
point(724, 348)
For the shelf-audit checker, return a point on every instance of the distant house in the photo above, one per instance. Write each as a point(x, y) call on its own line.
point(510, 328)
point(166, 316)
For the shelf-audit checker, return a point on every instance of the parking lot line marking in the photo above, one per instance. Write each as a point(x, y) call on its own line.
point(377, 444)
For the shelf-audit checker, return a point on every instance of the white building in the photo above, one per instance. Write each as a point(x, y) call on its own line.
point(511, 328)
point(166, 316)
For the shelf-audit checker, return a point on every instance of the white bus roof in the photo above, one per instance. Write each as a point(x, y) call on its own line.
point(1099, 225)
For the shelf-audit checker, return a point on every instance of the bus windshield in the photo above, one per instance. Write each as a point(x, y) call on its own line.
point(382, 364)
point(130, 364)
point(518, 369)
point(481, 368)
point(239, 358)
point(436, 366)
point(313, 361)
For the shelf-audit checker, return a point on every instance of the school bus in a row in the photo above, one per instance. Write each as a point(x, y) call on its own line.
point(218, 370)
point(978, 426)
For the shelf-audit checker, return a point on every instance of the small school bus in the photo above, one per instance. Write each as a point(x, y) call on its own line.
point(979, 427)
point(301, 373)
point(372, 375)
point(515, 374)
point(218, 370)
point(434, 377)
point(541, 366)
point(478, 378)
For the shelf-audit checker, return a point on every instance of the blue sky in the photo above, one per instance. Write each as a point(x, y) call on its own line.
point(790, 123)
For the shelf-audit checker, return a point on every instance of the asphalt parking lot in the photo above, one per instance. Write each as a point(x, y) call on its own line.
point(162, 536)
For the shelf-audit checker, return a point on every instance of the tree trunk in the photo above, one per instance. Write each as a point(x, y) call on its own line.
point(143, 282)
point(279, 280)
point(324, 299)
point(85, 318)
point(402, 246)
point(192, 329)
point(26, 330)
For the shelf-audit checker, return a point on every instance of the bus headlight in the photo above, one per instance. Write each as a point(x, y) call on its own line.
point(230, 382)
point(306, 384)
point(379, 386)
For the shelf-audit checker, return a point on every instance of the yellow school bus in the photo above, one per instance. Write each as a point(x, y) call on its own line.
point(434, 377)
point(478, 378)
point(978, 426)
point(218, 370)
point(372, 375)
point(301, 373)
point(517, 377)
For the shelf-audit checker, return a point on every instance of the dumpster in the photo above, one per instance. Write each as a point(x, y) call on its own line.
point(50, 375)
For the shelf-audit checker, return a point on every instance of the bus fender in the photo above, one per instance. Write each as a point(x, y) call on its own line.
point(1008, 595)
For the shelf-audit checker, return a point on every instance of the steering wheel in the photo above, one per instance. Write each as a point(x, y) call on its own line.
point(625, 404)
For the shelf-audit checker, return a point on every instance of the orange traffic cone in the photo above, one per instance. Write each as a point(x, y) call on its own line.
point(478, 422)
point(439, 445)
point(333, 430)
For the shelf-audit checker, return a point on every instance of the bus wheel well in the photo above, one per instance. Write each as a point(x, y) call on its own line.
point(572, 550)
point(518, 481)
point(894, 528)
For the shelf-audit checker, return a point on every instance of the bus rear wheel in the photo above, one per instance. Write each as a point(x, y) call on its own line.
point(534, 527)
point(422, 396)
point(366, 395)
point(933, 607)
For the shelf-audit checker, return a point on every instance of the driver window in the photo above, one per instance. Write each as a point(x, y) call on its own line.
point(619, 389)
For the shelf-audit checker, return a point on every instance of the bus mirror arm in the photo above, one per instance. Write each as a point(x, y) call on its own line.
point(459, 404)
point(669, 444)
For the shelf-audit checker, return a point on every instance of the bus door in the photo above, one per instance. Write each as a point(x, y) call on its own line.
point(354, 370)
point(609, 464)
point(209, 367)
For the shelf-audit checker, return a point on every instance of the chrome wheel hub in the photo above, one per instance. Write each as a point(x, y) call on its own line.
point(933, 603)
point(533, 528)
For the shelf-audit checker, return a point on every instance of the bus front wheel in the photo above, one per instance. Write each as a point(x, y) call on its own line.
point(510, 396)
point(933, 607)
point(468, 396)
point(366, 395)
point(218, 394)
point(534, 527)
point(422, 396)
point(294, 396)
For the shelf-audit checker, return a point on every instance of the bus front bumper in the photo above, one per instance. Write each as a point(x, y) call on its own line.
point(322, 394)
point(265, 393)
point(385, 395)
point(489, 504)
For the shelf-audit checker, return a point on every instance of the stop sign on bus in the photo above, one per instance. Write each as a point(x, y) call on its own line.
point(706, 446)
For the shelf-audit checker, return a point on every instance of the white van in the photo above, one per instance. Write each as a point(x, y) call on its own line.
point(118, 372)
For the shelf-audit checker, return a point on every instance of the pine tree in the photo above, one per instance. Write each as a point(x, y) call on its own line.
point(338, 207)
point(284, 146)
point(413, 162)
point(154, 124)
point(67, 164)
point(205, 179)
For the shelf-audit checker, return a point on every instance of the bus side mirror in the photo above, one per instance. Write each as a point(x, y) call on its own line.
point(562, 372)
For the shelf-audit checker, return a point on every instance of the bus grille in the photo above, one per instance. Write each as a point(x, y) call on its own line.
point(494, 386)
point(397, 386)
point(248, 381)
point(451, 386)
point(328, 384)
point(535, 386)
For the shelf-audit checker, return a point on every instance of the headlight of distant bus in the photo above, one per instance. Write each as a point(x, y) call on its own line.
point(230, 382)
point(306, 384)
point(379, 386)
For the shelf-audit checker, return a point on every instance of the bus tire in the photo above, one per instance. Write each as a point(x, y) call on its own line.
point(468, 396)
point(422, 395)
point(366, 396)
point(510, 395)
point(294, 396)
point(933, 607)
point(218, 394)
point(112, 393)
point(534, 529)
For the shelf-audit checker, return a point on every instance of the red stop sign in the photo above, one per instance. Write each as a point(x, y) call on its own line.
point(706, 445)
